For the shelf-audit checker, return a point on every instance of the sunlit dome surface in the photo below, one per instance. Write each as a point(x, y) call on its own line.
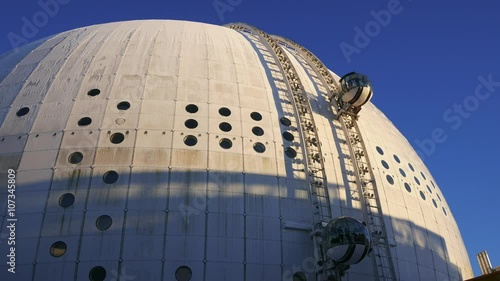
point(172, 150)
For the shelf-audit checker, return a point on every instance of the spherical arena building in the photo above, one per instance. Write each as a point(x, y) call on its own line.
point(172, 150)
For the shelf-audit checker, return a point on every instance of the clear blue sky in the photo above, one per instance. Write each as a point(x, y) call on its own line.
point(423, 63)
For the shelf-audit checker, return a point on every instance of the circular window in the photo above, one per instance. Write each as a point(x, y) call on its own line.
point(190, 140)
point(66, 200)
point(23, 111)
point(439, 197)
point(380, 151)
point(191, 108)
point(124, 105)
point(385, 164)
point(117, 138)
point(75, 157)
point(396, 158)
point(226, 143)
point(191, 123)
point(103, 222)
point(429, 189)
point(434, 203)
point(85, 121)
point(58, 249)
point(258, 131)
point(288, 136)
point(94, 92)
point(285, 121)
point(225, 127)
point(290, 152)
point(407, 187)
point(411, 167)
point(256, 116)
point(433, 184)
point(416, 180)
point(390, 179)
point(224, 111)
point(402, 172)
point(110, 177)
point(183, 273)
point(259, 147)
point(299, 276)
point(422, 194)
point(97, 273)
point(444, 211)
point(423, 176)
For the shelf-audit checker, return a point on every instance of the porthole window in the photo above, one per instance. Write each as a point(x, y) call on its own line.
point(434, 203)
point(85, 121)
point(75, 157)
point(429, 189)
point(285, 121)
point(290, 152)
point(411, 167)
point(256, 116)
point(439, 197)
point(183, 273)
point(402, 172)
point(423, 176)
point(390, 179)
point(288, 136)
point(190, 140)
point(259, 147)
point(191, 123)
point(224, 111)
point(433, 184)
point(444, 211)
point(94, 92)
point(124, 105)
point(23, 111)
point(407, 187)
point(380, 151)
point(191, 108)
point(258, 131)
point(110, 177)
point(422, 194)
point(225, 127)
point(385, 164)
point(299, 276)
point(416, 180)
point(97, 273)
point(396, 158)
point(66, 200)
point(58, 249)
point(103, 222)
point(226, 143)
point(117, 138)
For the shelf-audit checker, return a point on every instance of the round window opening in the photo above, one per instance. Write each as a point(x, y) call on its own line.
point(416, 180)
point(224, 111)
point(85, 121)
point(402, 172)
point(285, 121)
point(124, 105)
point(288, 136)
point(258, 131)
point(422, 195)
point(439, 197)
point(190, 140)
point(385, 164)
point(66, 200)
point(94, 92)
point(191, 123)
point(191, 108)
point(117, 138)
point(434, 203)
point(290, 152)
point(183, 273)
point(259, 147)
point(390, 179)
point(225, 127)
point(380, 151)
point(299, 276)
point(411, 167)
point(75, 157)
point(396, 158)
point(23, 111)
point(103, 222)
point(429, 189)
point(256, 116)
point(444, 211)
point(226, 143)
point(110, 177)
point(58, 249)
point(407, 187)
point(97, 273)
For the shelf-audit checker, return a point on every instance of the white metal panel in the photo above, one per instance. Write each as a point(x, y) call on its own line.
point(225, 225)
point(65, 223)
point(139, 270)
point(192, 89)
point(51, 270)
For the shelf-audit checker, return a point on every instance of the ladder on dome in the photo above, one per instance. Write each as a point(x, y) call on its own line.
point(314, 165)
point(381, 253)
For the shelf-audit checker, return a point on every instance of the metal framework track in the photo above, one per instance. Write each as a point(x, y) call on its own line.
point(365, 180)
